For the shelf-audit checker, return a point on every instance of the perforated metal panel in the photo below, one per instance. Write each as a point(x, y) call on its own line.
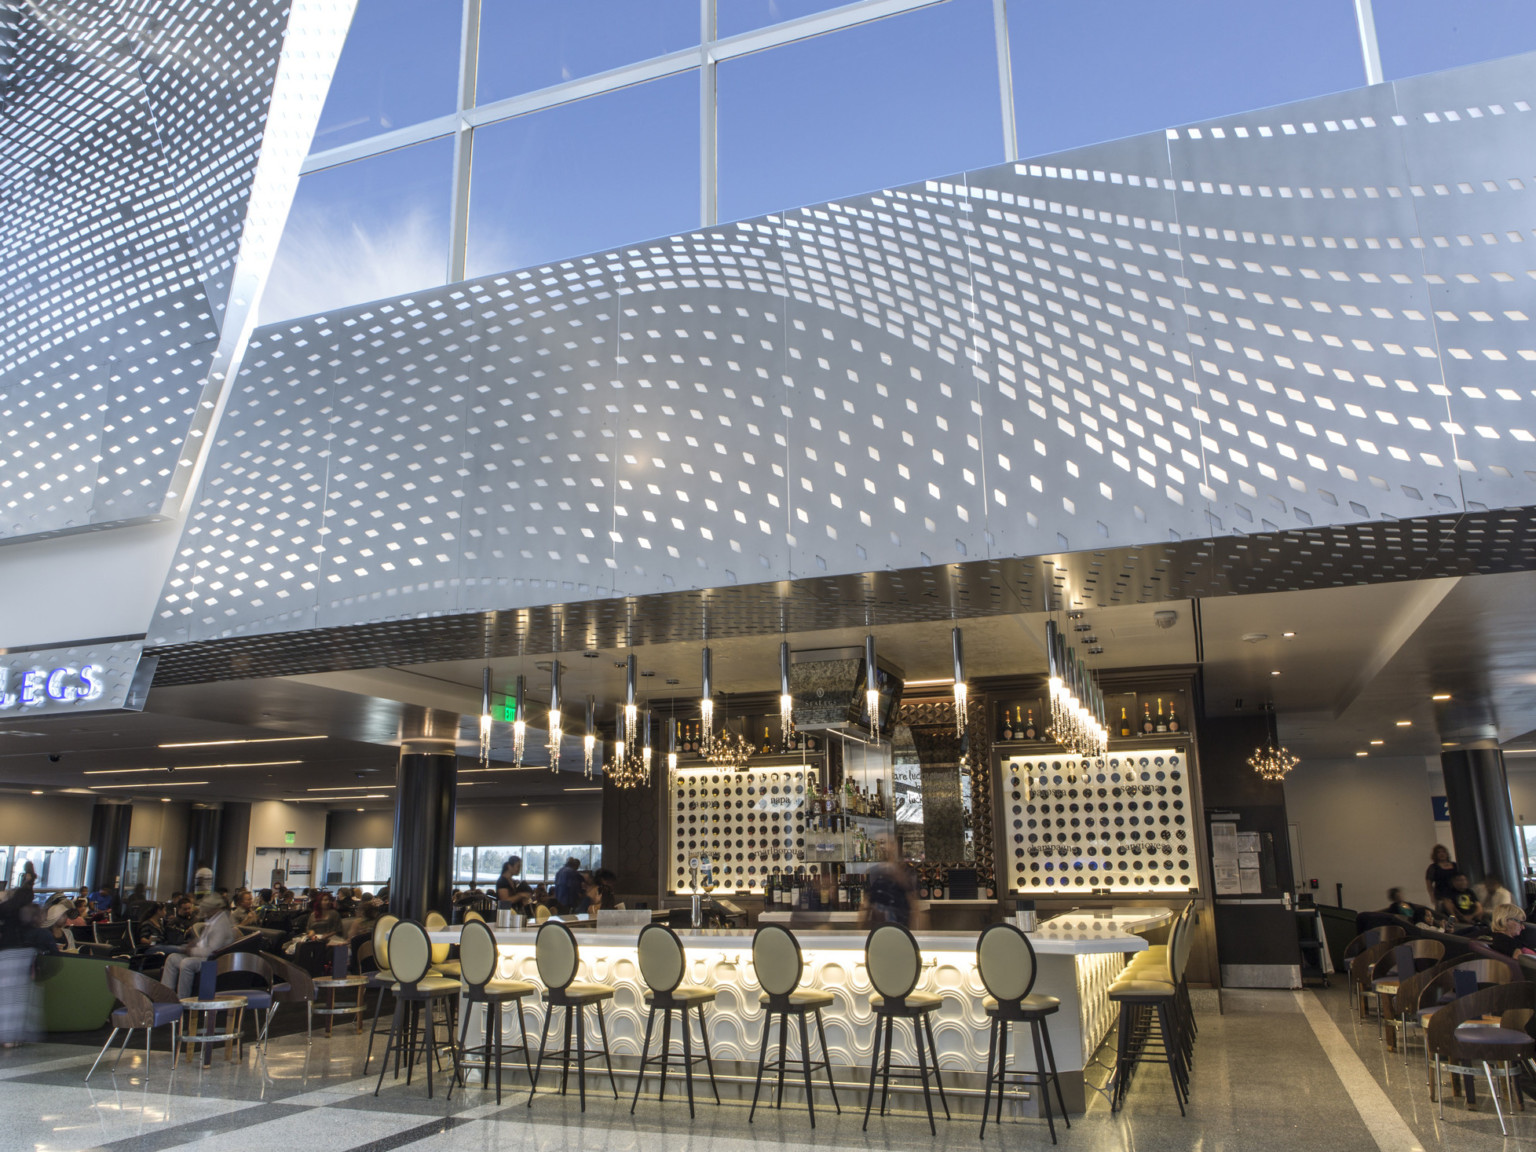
point(1307, 317)
point(132, 134)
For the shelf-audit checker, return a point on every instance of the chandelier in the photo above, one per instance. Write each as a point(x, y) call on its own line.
point(729, 750)
point(1273, 761)
point(631, 767)
point(1077, 706)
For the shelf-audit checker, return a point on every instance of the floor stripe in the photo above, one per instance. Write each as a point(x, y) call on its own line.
point(1382, 1119)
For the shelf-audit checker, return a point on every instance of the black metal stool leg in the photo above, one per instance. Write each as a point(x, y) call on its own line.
point(602, 1030)
point(709, 1062)
point(666, 1052)
point(645, 1051)
point(1050, 1057)
point(783, 1056)
point(805, 1067)
point(682, 1018)
point(933, 1049)
point(581, 1054)
point(1045, 1097)
point(821, 1036)
point(533, 1073)
point(885, 1080)
point(874, 1068)
point(762, 1062)
point(986, 1098)
point(922, 1070)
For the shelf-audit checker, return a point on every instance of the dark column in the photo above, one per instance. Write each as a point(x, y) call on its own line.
point(107, 857)
point(234, 845)
point(421, 875)
point(632, 839)
point(1482, 820)
point(202, 842)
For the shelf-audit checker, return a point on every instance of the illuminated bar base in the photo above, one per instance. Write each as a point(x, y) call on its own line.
point(1078, 958)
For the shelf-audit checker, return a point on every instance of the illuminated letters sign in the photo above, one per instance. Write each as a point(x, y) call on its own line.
point(22, 688)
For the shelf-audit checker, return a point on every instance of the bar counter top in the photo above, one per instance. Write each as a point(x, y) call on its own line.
point(1067, 934)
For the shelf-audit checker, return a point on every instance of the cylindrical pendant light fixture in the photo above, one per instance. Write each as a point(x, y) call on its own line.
point(485, 718)
point(872, 687)
point(645, 750)
point(786, 699)
point(631, 710)
point(671, 745)
point(957, 650)
point(519, 722)
point(555, 722)
point(706, 702)
point(589, 739)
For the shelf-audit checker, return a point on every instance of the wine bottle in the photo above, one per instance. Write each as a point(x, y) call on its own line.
point(1125, 723)
point(1029, 726)
point(1173, 718)
point(1007, 725)
point(1147, 726)
point(1162, 721)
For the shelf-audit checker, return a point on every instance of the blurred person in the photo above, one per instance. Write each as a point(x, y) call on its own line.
point(182, 965)
point(1413, 913)
point(568, 884)
point(245, 913)
point(889, 894)
point(1491, 893)
point(22, 937)
point(1437, 877)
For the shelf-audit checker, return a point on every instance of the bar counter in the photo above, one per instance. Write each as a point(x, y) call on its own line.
point(1078, 954)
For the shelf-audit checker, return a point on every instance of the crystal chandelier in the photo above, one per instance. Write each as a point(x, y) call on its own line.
point(631, 767)
point(729, 750)
point(1077, 706)
point(589, 740)
point(1273, 761)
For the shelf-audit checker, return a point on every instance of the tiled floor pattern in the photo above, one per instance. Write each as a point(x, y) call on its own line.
point(1276, 1070)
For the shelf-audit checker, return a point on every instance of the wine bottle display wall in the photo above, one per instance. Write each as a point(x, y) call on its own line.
point(1121, 822)
point(749, 824)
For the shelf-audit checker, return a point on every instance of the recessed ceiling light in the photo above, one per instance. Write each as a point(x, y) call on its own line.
point(1405, 723)
point(359, 809)
point(598, 788)
point(349, 787)
point(1441, 696)
point(1254, 637)
point(37, 791)
point(1362, 753)
point(1378, 741)
point(165, 799)
point(1289, 635)
point(523, 804)
point(1276, 672)
point(256, 740)
point(157, 784)
point(1448, 744)
point(190, 767)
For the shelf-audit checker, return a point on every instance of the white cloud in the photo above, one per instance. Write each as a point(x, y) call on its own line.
point(328, 260)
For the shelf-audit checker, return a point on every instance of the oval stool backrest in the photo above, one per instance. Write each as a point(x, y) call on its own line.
point(554, 951)
point(381, 930)
point(477, 953)
point(541, 914)
point(1005, 960)
point(776, 957)
point(1179, 948)
point(472, 916)
point(661, 957)
point(410, 952)
point(893, 959)
point(436, 922)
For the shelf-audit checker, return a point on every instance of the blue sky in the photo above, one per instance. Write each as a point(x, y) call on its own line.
point(911, 96)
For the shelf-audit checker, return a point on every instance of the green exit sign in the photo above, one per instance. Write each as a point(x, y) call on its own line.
point(509, 709)
point(290, 837)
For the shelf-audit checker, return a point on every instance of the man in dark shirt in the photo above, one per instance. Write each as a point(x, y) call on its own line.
point(1461, 906)
point(568, 885)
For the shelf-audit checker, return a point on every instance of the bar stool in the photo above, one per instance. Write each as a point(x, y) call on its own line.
point(776, 957)
point(1005, 961)
point(477, 960)
point(895, 963)
point(415, 988)
point(381, 978)
point(1147, 995)
point(554, 951)
point(662, 964)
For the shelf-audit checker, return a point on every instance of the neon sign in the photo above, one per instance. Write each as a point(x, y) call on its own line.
point(34, 687)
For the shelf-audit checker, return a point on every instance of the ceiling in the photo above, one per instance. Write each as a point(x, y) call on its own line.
point(1358, 660)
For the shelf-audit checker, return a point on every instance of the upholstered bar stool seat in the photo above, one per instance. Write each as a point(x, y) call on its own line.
point(511, 988)
point(431, 985)
point(587, 993)
point(1035, 1003)
point(663, 965)
point(802, 998)
point(913, 1000)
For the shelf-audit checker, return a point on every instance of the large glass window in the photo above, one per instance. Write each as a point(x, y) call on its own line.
point(373, 866)
point(58, 868)
point(399, 66)
point(530, 44)
point(585, 176)
point(463, 865)
point(1418, 36)
point(733, 16)
point(885, 103)
point(362, 231)
point(1083, 73)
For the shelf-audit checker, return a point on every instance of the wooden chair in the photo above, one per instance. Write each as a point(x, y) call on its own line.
point(146, 1004)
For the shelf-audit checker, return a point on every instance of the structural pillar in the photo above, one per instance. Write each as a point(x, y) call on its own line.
point(1482, 819)
point(426, 791)
point(202, 843)
point(107, 857)
point(233, 845)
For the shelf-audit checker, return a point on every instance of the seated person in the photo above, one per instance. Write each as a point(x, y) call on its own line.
point(246, 914)
point(76, 916)
point(183, 964)
point(1461, 908)
point(178, 928)
point(1508, 931)
point(1413, 913)
point(150, 931)
point(324, 922)
point(1491, 893)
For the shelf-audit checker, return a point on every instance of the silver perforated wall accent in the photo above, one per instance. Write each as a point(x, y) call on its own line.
point(1308, 316)
point(132, 134)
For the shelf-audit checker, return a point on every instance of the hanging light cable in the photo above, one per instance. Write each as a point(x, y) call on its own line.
point(706, 703)
point(553, 745)
point(589, 739)
point(519, 723)
point(958, 652)
point(786, 700)
point(485, 718)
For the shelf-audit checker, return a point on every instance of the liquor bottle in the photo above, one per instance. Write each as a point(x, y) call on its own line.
point(1125, 723)
point(1007, 725)
point(1029, 726)
point(924, 884)
point(1162, 721)
point(804, 894)
point(767, 745)
point(771, 890)
point(1147, 726)
point(991, 885)
point(1173, 718)
point(940, 884)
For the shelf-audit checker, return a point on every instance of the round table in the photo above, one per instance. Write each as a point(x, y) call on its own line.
point(333, 985)
point(198, 1011)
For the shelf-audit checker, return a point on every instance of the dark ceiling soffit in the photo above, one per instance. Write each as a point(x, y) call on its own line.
point(1384, 551)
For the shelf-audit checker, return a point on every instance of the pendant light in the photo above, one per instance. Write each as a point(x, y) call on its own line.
point(485, 718)
point(1274, 761)
point(786, 699)
point(872, 687)
point(589, 740)
point(631, 710)
point(957, 650)
point(553, 745)
point(645, 751)
point(519, 724)
point(671, 747)
point(706, 703)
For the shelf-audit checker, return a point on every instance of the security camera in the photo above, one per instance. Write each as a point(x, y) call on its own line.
point(55, 757)
point(1167, 618)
